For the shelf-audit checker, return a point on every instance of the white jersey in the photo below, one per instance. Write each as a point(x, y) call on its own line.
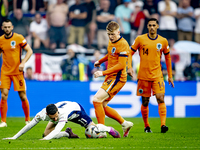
point(66, 110)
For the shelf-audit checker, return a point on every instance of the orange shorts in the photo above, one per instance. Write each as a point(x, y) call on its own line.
point(112, 86)
point(18, 81)
point(145, 88)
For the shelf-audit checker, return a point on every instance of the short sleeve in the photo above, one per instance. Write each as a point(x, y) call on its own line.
point(174, 7)
point(166, 47)
point(117, 12)
point(32, 27)
point(136, 44)
point(22, 41)
point(161, 6)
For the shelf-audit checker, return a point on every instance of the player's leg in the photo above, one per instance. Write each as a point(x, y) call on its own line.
point(20, 86)
point(114, 87)
point(4, 107)
point(145, 114)
point(159, 91)
point(144, 90)
point(5, 87)
point(110, 130)
point(25, 105)
point(98, 99)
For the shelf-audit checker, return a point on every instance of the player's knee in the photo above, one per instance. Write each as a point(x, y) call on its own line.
point(22, 97)
point(96, 99)
point(160, 99)
point(4, 96)
point(145, 103)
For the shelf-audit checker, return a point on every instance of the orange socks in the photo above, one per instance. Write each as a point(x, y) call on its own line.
point(4, 108)
point(110, 112)
point(25, 106)
point(145, 114)
point(99, 111)
point(162, 112)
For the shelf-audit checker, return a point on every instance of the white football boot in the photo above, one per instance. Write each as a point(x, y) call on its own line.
point(126, 126)
point(3, 124)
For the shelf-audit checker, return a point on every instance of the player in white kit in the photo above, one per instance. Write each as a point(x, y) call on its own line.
point(60, 113)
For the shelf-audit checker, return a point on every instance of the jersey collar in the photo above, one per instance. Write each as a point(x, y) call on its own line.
point(117, 40)
point(151, 38)
point(8, 37)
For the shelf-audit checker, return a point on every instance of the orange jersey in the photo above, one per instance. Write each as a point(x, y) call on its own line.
point(117, 59)
point(12, 48)
point(150, 51)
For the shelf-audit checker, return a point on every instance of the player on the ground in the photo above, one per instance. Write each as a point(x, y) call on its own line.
point(116, 77)
point(150, 78)
point(11, 45)
point(60, 113)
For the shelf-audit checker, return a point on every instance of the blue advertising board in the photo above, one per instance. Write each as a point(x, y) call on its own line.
point(181, 101)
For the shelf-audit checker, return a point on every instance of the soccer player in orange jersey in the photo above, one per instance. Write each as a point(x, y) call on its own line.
point(150, 78)
point(11, 45)
point(116, 77)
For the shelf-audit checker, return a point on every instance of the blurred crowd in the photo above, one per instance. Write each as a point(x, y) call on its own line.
point(54, 24)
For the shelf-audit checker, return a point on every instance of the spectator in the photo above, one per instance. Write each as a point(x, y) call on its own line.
point(3, 13)
point(56, 18)
point(168, 28)
point(123, 14)
point(69, 66)
point(47, 3)
point(25, 5)
point(91, 69)
point(137, 21)
point(90, 27)
point(29, 74)
point(150, 10)
point(133, 3)
point(114, 4)
point(197, 25)
point(77, 15)
point(185, 22)
point(104, 16)
point(21, 25)
point(39, 28)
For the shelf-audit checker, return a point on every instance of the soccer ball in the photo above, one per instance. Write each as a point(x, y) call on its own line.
point(92, 131)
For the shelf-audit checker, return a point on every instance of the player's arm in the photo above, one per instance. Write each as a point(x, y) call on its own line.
point(57, 130)
point(168, 64)
point(119, 66)
point(130, 71)
point(23, 130)
point(29, 52)
point(100, 61)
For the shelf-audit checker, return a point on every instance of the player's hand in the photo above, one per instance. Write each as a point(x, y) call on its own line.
point(170, 80)
point(21, 67)
point(97, 64)
point(130, 72)
point(43, 139)
point(98, 74)
point(8, 138)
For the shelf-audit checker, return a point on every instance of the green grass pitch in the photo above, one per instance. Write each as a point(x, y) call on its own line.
point(184, 133)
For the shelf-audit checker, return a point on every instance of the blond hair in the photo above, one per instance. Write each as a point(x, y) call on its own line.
point(112, 26)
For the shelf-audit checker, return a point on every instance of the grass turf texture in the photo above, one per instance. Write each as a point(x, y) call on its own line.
point(184, 133)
